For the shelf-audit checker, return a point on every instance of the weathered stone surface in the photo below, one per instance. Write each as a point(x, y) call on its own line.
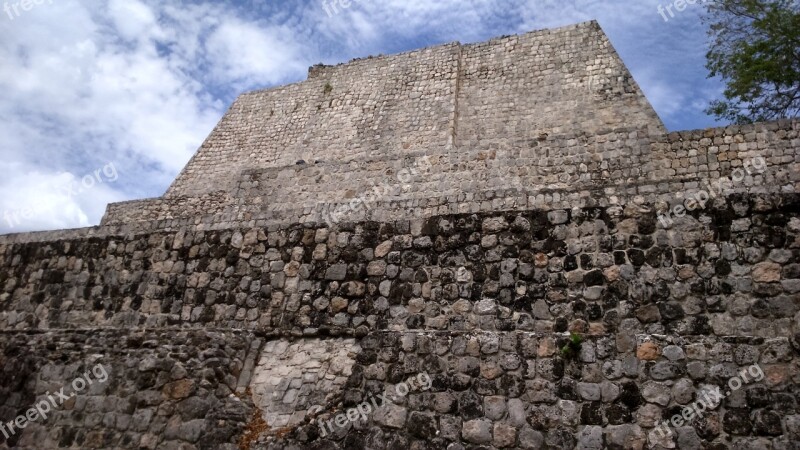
point(505, 436)
point(589, 391)
point(673, 353)
point(766, 272)
point(392, 416)
point(590, 438)
point(688, 439)
point(179, 389)
point(336, 272)
point(493, 225)
point(625, 436)
point(494, 407)
point(530, 439)
point(477, 431)
point(648, 351)
point(657, 393)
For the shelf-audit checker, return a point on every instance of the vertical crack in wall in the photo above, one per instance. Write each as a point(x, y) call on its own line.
point(452, 144)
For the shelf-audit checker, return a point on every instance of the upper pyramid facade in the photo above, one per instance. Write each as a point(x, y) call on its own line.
point(444, 100)
point(550, 110)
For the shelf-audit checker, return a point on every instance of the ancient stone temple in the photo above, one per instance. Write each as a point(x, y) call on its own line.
point(485, 246)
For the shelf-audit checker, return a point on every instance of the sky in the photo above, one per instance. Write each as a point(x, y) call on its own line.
point(106, 101)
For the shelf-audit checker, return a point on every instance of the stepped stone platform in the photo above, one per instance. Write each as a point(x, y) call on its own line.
point(510, 283)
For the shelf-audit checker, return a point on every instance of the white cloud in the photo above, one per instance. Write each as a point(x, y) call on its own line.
point(666, 97)
point(372, 24)
point(132, 19)
point(250, 55)
point(52, 199)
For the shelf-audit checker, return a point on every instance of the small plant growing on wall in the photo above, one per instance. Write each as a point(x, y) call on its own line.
point(573, 347)
point(328, 88)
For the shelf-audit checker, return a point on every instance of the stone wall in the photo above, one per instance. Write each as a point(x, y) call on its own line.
point(165, 210)
point(436, 100)
point(519, 390)
point(371, 107)
point(166, 389)
point(535, 271)
point(725, 279)
point(576, 171)
point(564, 82)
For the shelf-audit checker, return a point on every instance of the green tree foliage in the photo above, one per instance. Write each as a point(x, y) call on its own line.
point(755, 49)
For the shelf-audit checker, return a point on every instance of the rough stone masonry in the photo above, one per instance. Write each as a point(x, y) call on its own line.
point(524, 270)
